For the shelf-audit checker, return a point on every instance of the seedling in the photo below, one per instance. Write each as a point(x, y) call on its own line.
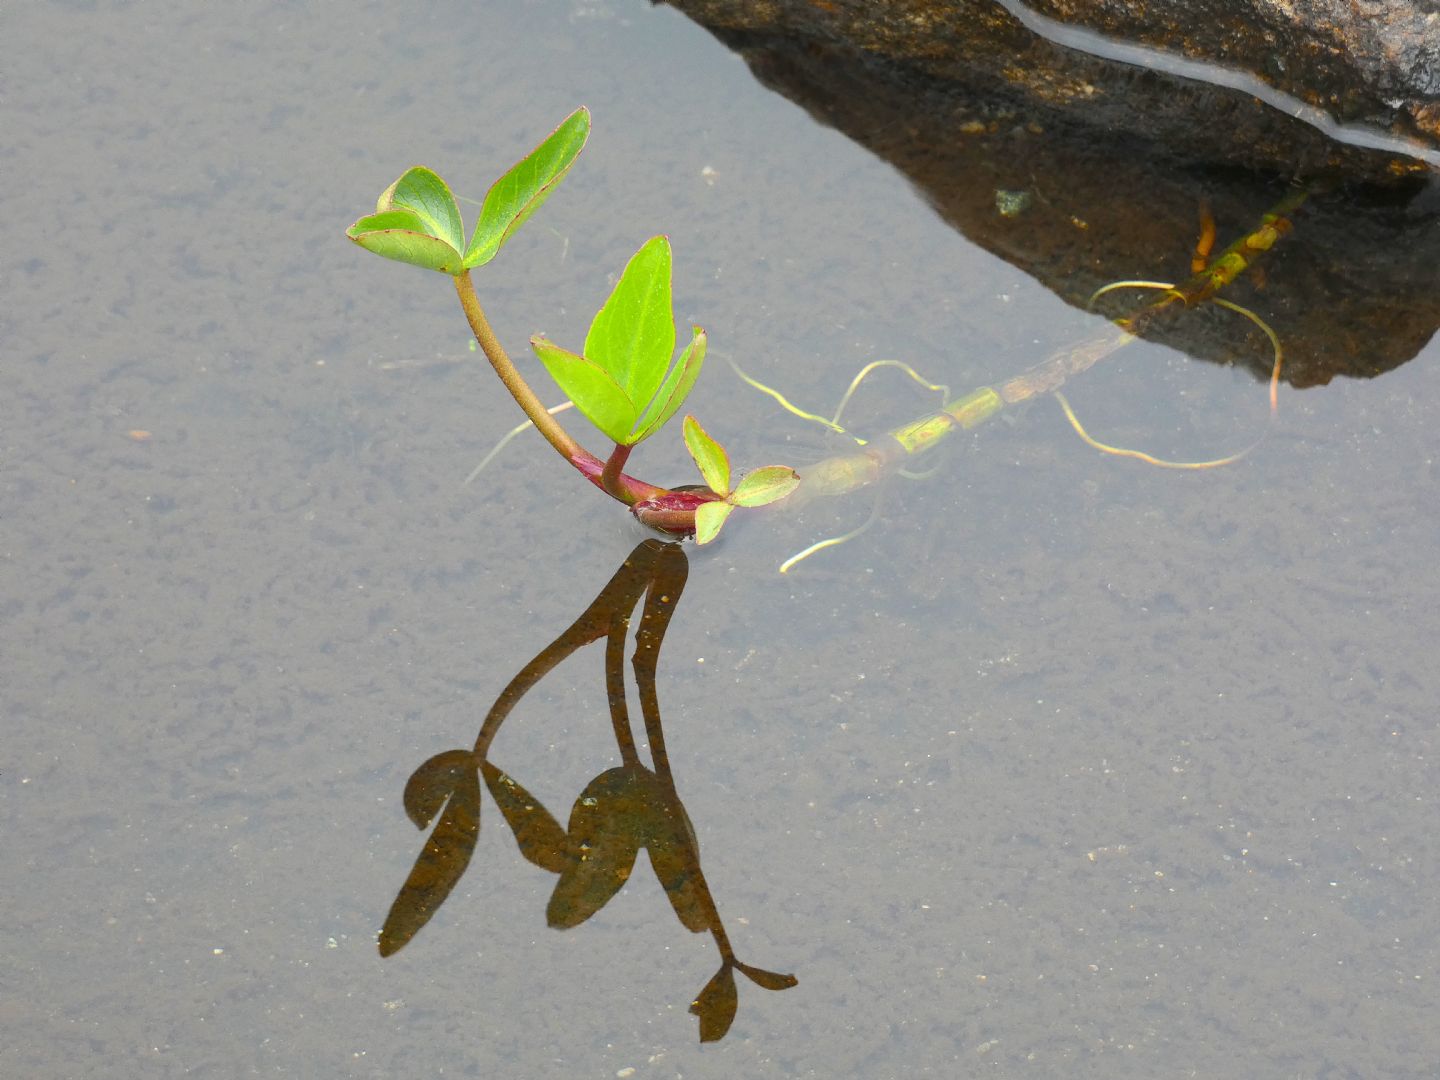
point(764, 485)
point(623, 380)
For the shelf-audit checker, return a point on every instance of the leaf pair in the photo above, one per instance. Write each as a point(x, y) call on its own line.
point(620, 381)
point(621, 811)
point(417, 220)
point(716, 1003)
point(451, 779)
point(759, 487)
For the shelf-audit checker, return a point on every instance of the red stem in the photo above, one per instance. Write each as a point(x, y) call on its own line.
point(613, 471)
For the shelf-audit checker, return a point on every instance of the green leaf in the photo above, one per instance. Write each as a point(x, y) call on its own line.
point(590, 387)
point(709, 455)
point(539, 836)
point(716, 1004)
point(765, 485)
point(708, 519)
point(676, 389)
point(401, 235)
point(522, 190)
point(633, 335)
point(424, 194)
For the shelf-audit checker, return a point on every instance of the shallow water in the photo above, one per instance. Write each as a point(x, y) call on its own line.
point(1067, 767)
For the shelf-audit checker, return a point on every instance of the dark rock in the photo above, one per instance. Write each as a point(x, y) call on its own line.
point(1373, 62)
point(1354, 62)
point(1082, 171)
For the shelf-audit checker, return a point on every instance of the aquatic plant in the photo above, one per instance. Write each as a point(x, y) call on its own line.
point(627, 381)
point(623, 380)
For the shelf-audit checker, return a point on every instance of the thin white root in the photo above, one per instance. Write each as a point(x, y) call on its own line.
point(505, 441)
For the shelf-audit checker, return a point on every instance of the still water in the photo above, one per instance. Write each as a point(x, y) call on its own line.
point(1066, 767)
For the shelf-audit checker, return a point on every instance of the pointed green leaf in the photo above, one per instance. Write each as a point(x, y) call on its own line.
point(539, 836)
point(431, 784)
point(424, 194)
point(716, 1004)
point(440, 865)
point(592, 390)
point(765, 485)
point(633, 335)
point(770, 980)
point(675, 390)
point(709, 455)
point(522, 190)
point(708, 519)
point(401, 235)
point(604, 840)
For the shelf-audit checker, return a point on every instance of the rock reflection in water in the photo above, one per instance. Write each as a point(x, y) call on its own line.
point(1082, 171)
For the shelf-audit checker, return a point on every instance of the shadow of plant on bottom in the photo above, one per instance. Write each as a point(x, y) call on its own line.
point(622, 810)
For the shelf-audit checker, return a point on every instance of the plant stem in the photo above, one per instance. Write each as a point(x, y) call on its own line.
point(519, 389)
point(620, 485)
point(614, 469)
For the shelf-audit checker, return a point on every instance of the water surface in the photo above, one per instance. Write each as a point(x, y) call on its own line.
point(1067, 767)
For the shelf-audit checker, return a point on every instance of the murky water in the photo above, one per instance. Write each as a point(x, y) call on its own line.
point(1066, 767)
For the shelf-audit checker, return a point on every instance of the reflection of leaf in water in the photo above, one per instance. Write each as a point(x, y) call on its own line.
point(448, 848)
point(715, 1005)
point(540, 837)
point(675, 855)
point(619, 812)
point(770, 980)
point(431, 784)
point(603, 845)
